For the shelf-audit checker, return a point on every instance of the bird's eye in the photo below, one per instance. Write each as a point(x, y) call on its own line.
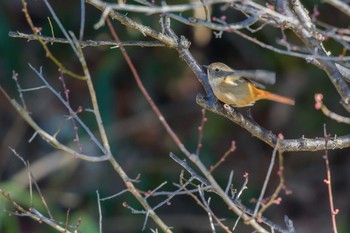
point(216, 69)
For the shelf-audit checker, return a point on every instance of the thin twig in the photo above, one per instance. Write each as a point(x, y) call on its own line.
point(340, 5)
point(229, 183)
point(20, 90)
point(36, 32)
point(266, 181)
point(86, 43)
point(209, 211)
point(189, 169)
point(32, 180)
point(307, 56)
point(243, 187)
point(52, 31)
point(47, 137)
point(99, 211)
point(207, 208)
point(215, 26)
point(145, 93)
point(114, 195)
point(150, 212)
point(39, 74)
point(82, 20)
point(150, 193)
point(224, 156)
point(63, 30)
point(200, 132)
point(328, 182)
point(319, 105)
point(274, 199)
point(153, 9)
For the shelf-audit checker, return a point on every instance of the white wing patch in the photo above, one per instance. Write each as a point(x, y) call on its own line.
point(230, 81)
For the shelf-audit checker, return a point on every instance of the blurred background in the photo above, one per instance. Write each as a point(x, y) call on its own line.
point(138, 140)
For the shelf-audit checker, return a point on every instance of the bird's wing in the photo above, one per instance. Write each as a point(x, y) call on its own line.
point(257, 76)
point(257, 84)
point(235, 81)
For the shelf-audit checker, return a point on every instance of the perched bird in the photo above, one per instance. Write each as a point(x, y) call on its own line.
point(241, 88)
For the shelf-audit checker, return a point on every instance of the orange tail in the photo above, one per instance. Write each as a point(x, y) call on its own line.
point(277, 98)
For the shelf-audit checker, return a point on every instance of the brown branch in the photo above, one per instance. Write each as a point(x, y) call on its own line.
point(301, 144)
point(328, 182)
point(150, 211)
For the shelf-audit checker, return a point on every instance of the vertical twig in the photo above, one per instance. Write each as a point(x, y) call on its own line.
point(229, 183)
point(99, 211)
point(33, 181)
point(200, 132)
point(72, 116)
point(244, 186)
point(223, 158)
point(92, 92)
point(67, 220)
point(262, 193)
point(145, 93)
point(135, 192)
point(52, 31)
point(206, 203)
point(328, 182)
point(20, 90)
point(82, 20)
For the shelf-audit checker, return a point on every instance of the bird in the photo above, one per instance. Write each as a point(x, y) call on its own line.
point(241, 88)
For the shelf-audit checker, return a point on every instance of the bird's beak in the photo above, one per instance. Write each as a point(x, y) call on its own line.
point(205, 66)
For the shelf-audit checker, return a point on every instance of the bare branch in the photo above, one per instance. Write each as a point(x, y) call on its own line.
point(114, 195)
point(340, 5)
point(153, 9)
point(86, 43)
point(328, 182)
point(99, 211)
point(36, 32)
point(200, 132)
point(47, 137)
point(82, 20)
point(289, 15)
point(150, 212)
point(302, 144)
point(70, 110)
point(189, 169)
point(320, 105)
point(242, 211)
point(215, 26)
point(137, 26)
